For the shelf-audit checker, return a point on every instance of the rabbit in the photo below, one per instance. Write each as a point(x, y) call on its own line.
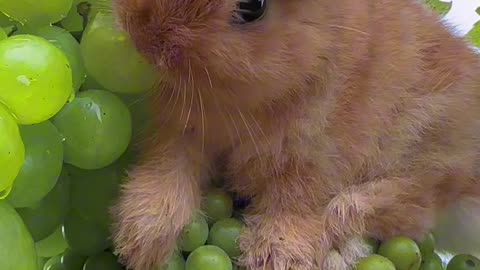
point(339, 120)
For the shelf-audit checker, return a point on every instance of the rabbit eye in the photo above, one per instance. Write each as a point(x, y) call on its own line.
point(250, 10)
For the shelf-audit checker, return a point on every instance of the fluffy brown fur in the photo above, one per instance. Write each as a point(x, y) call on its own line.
point(340, 119)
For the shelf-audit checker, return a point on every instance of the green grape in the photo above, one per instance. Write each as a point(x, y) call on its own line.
point(53, 264)
point(375, 262)
point(431, 262)
point(141, 118)
point(217, 205)
point(438, 6)
point(194, 234)
point(36, 12)
point(51, 246)
point(463, 262)
point(90, 83)
point(44, 217)
point(63, 40)
point(42, 166)
point(82, 11)
point(176, 262)
point(17, 249)
point(97, 127)
point(25, 29)
point(73, 22)
point(474, 35)
point(3, 34)
point(224, 234)
point(71, 260)
point(208, 257)
point(66, 42)
point(5, 21)
point(41, 262)
point(103, 261)
point(111, 58)
point(427, 245)
point(84, 236)
point(36, 78)
point(403, 252)
point(9, 29)
point(12, 151)
point(104, 6)
point(93, 192)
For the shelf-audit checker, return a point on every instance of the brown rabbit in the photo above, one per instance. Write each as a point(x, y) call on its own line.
point(339, 119)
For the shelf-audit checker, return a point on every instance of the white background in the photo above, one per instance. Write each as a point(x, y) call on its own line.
point(463, 15)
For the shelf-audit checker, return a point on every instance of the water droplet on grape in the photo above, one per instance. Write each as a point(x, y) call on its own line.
point(23, 80)
point(96, 109)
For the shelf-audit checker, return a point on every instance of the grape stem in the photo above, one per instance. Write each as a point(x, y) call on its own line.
point(83, 9)
point(10, 30)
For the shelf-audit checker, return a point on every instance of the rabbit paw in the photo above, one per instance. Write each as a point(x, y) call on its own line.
point(347, 255)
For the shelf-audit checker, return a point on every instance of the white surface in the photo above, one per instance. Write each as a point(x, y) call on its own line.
point(462, 14)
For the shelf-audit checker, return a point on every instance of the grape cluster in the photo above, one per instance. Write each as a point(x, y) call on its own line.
point(210, 240)
point(403, 253)
point(71, 106)
point(438, 6)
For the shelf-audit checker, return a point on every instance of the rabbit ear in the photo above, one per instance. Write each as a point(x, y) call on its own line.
point(458, 227)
